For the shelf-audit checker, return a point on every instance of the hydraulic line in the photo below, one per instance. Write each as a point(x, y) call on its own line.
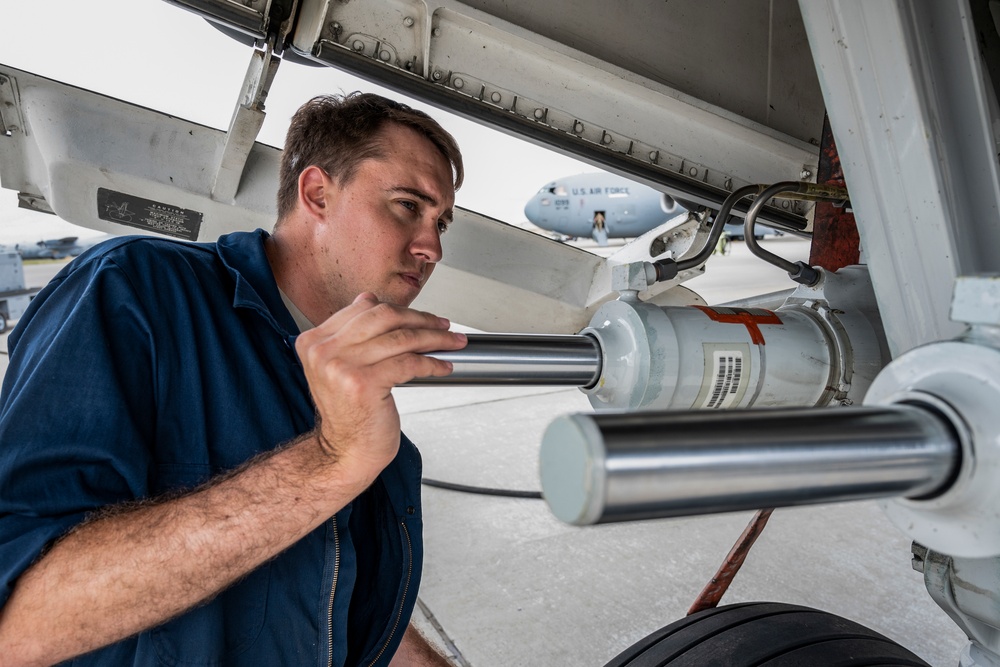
point(800, 272)
point(668, 268)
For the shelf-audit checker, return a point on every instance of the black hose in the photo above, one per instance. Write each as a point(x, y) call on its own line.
point(481, 490)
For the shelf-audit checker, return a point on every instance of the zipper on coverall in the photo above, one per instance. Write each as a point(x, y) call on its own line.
point(333, 588)
point(402, 601)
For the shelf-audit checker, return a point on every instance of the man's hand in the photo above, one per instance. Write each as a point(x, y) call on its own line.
point(353, 360)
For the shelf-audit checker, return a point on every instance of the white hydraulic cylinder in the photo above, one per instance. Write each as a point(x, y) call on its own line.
point(809, 352)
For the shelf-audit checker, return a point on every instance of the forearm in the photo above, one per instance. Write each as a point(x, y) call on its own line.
point(134, 569)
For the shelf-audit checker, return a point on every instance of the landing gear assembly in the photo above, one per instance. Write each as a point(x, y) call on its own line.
point(679, 427)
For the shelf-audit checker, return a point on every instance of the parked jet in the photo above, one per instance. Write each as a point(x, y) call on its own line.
point(601, 206)
point(69, 246)
point(604, 206)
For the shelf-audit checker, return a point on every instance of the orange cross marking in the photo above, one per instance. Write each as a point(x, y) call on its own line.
point(751, 319)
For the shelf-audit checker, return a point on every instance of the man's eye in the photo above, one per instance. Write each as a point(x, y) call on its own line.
point(442, 226)
point(408, 204)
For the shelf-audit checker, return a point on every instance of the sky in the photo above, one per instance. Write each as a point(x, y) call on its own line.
point(157, 55)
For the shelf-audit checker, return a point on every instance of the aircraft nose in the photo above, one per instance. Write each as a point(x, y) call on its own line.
point(531, 210)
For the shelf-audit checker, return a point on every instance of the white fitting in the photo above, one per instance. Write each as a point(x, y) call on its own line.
point(961, 380)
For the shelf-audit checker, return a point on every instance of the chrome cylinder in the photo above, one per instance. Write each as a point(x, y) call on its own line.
point(598, 468)
point(521, 359)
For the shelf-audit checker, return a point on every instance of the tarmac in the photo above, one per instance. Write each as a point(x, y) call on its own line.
point(506, 584)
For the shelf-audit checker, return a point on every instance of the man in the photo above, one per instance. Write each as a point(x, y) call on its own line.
point(187, 479)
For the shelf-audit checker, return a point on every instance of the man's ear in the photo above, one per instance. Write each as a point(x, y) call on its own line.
point(314, 185)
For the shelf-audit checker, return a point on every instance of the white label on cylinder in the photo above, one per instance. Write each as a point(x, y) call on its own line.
point(727, 374)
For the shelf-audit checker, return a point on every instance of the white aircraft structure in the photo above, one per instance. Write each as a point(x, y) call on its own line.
point(876, 375)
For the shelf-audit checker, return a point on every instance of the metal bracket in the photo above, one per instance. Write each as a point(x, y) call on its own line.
point(966, 590)
point(245, 124)
point(10, 108)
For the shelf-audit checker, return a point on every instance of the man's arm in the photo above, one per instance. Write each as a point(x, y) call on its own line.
point(416, 651)
point(131, 570)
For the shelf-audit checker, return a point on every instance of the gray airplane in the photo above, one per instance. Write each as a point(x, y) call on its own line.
point(70, 246)
point(600, 206)
point(604, 206)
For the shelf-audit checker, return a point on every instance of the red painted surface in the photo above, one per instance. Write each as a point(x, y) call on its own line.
point(751, 319)
point(835, 242)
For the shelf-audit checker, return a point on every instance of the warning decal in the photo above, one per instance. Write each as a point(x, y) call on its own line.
point(751, 318)
point(148, 215)
point(726, 376)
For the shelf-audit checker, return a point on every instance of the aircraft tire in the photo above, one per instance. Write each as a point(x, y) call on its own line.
point(774, 634)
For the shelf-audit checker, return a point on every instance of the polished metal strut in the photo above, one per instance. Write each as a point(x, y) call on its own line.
point(521, 359)
point(598, 468)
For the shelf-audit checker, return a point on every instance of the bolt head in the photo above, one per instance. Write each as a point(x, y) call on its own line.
point(436, 75)
point(495, 97)
point(408, 21)
point(805, 175)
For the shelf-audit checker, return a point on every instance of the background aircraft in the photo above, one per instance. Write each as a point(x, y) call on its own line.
point(603, 206)
point(69, 246)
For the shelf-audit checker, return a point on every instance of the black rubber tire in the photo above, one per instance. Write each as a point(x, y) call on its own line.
point(765, 633)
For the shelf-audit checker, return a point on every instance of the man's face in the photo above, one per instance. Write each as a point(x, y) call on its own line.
point(382, 229)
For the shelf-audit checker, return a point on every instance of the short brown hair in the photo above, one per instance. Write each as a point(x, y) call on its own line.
point(338, 132)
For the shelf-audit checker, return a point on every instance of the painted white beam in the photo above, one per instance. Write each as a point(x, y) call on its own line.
point(907, 101)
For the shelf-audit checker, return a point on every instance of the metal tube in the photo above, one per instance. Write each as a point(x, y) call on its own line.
point(748, 224)
point(718, 226)
point(521, 359)
point(598, 468)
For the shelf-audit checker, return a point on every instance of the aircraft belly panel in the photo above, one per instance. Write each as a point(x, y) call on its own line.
point(500, 74)
point(767, 78)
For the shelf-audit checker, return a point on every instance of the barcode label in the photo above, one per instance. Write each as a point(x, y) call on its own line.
point(728, 367)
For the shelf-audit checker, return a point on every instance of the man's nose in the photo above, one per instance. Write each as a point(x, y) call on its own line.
point(428, 242)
